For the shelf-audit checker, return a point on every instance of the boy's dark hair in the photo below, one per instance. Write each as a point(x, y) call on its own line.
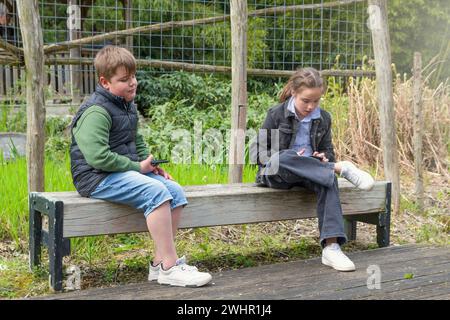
point(109, 58)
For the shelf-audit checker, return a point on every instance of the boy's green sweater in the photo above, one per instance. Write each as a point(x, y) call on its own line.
point(92, 136)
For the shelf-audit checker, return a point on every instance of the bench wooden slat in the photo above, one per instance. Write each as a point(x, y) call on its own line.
point(212, 205)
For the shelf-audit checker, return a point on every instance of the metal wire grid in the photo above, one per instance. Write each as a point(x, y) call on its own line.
point(314, 37)
point(324, 38)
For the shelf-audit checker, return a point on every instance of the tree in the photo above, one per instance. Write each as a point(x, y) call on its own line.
point(424, 26)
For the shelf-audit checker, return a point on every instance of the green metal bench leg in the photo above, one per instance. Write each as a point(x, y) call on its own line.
point(350, 229)
point(35, 231)
point(55, 245)
point(384, 223)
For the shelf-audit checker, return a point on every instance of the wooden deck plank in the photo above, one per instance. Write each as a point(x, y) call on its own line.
point(244, 282)
point(309, 279)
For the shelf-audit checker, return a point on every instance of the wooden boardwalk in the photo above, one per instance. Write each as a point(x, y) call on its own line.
point(407, 272)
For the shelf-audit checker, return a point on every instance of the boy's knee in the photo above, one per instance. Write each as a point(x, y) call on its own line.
point(177, 188)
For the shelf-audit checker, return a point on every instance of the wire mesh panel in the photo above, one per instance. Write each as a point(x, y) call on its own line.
point(196, 34)
point(322, 34)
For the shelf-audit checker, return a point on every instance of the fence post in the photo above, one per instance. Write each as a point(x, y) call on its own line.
point(74, 26)
point(238, 89)
point(30, 26)
point(382, 51)
point(418, 129)
point(128, 7)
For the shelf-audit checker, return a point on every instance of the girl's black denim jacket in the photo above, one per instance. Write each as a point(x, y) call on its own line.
point(280, 121)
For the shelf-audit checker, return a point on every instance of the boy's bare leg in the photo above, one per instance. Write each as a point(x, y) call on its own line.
point(159, 223)
point(176, 214)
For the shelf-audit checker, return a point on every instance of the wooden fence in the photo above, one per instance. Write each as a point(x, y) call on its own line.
point(12, 79)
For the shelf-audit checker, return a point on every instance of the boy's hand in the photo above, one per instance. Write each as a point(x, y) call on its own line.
point(320, 155)
point(146, 165)
point(163, 173)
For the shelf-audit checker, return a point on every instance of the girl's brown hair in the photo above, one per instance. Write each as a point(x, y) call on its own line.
point(109, 58)
point(304, 77)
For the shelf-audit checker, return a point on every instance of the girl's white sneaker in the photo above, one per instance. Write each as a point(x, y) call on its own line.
point(333, 256)
point(359, 178)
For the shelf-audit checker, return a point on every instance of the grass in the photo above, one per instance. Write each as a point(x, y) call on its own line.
point(14, 194)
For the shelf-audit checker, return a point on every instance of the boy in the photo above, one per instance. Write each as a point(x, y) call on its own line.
point(110, 161)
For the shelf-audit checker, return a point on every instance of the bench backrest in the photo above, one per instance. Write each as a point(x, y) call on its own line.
point(212, 205)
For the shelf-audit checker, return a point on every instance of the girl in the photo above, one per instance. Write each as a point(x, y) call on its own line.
point(294, 148)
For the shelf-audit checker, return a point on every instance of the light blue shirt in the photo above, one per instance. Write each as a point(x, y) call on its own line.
point(302, 140)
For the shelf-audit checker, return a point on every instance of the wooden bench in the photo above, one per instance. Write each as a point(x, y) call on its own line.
point(70, 215)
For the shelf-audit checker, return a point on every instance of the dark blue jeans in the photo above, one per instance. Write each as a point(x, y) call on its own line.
point(286, 169)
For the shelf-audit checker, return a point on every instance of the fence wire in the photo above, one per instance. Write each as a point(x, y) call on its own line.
point(335, 37)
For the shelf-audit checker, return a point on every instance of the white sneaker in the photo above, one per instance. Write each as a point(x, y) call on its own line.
point(183, 275)
point(359, 178)
point(333, 256)
point(153, 272)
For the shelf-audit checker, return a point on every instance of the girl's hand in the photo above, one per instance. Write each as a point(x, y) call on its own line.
point(301, 152)
point(321, 155)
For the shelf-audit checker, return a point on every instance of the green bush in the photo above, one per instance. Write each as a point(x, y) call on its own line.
point(185, 101)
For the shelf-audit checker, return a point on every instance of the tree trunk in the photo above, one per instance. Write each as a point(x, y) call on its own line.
point(382, 51)
point(30, 26)
point(238, 89)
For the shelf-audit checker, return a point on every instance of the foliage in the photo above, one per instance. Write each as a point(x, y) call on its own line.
point(424, 26)
point(183, 101)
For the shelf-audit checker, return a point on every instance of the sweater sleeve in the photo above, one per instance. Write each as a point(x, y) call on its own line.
point(91, 133)
point(141, 147)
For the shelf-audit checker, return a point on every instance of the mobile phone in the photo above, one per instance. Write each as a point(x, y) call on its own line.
point(318, 158)
point(155, 162)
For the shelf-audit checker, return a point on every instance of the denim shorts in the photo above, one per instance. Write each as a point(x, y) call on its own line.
point(141, 191)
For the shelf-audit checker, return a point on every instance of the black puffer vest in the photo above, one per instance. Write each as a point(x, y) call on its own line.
point(122, 136)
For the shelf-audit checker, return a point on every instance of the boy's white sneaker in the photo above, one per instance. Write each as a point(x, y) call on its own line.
point(359, 178)
point(153, 272)
point(183, 275)
point(333, 256)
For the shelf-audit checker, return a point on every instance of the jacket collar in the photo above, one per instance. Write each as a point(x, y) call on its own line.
point(120, 101)
point(289, 114)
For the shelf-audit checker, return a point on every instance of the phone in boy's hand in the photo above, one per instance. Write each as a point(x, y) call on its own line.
point(155, 162)
point(318, 158)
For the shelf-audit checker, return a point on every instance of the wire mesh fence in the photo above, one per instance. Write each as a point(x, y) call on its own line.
point(282, 35)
